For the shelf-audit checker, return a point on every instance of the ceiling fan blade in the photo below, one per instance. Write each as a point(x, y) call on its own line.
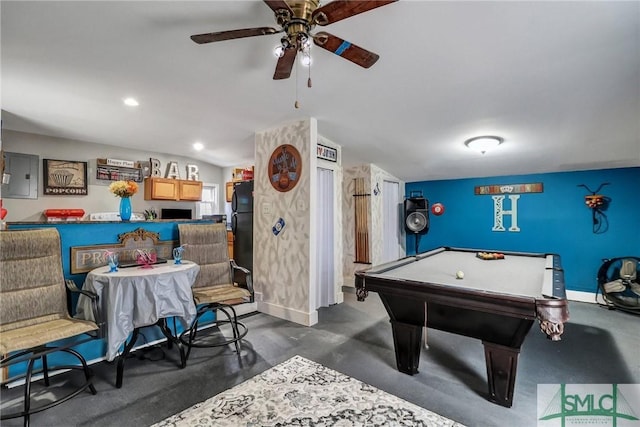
point(341, 9)
point(285, 63)
point(277, 5)
point(233, 34)
point(345, 49)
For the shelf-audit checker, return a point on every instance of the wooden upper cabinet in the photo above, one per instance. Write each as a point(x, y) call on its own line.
point(189, 190)
point(156, 188)
point(160, 189)
point(228, 191)
point(230, 243)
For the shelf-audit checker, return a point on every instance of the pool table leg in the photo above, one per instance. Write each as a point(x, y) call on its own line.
point(502, 364)
point(406, 341)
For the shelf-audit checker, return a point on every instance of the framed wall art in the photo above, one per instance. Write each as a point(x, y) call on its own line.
point(64, 178)
point(285, 168)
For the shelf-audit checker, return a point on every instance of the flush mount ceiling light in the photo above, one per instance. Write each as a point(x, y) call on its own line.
point(198, 146)
point(131, 102)
point(484, 143)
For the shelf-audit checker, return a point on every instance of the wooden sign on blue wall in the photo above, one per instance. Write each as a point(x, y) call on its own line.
point(481, 190)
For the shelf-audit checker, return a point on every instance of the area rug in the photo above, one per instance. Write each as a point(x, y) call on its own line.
point(299, 392)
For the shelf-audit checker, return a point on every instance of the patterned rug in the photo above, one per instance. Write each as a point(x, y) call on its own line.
point(300, 392)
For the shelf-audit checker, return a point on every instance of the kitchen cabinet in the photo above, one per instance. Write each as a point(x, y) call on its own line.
point(230, 243)
point(156, 188)
point(229, 191)
point(189, 190)
point(160, 189)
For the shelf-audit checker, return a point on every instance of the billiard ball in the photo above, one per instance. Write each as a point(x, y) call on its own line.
point(459, 274)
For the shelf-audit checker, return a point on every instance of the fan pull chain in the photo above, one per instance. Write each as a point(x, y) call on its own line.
point(296, 104)
point(309, 79)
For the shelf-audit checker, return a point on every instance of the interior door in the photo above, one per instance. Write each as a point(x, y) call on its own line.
point(391, 240)
point(325, 286)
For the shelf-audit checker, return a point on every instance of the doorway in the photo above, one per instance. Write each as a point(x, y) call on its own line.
point(391, 239)
point(325, 264)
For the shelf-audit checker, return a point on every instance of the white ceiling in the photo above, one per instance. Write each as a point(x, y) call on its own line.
point(559, 81)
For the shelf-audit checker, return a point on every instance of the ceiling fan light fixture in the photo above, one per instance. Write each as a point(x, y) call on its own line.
point(278, 51)
point(484, 143)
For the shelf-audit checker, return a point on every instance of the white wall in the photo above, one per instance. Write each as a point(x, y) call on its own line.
point(99, 198)
point(379, 175)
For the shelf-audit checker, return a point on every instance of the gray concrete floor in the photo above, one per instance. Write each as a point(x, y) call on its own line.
point(598, 346)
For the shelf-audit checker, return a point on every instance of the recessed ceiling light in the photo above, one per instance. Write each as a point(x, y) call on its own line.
point(131, 102)
point(198, 146)
point(484, 143)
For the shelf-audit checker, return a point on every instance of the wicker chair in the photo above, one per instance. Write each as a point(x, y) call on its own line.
point(34, 320)
point(220, 285)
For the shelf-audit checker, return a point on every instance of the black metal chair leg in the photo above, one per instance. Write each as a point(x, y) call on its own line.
point(188, 337)
point(27, 392)
point(236, 332)
point(125, 353)
point(45, 370)
point(88, 374)
point(232, 323)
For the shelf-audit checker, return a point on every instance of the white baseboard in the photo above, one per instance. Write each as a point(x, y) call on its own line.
point(246, 308)
point(581, 296)
point(286, 313)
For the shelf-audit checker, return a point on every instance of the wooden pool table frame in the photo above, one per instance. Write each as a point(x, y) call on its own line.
point(500, 320)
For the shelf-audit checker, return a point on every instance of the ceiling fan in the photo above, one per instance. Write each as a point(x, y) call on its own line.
point(296, 19)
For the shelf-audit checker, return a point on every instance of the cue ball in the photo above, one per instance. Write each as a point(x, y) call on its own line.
point(459, 274)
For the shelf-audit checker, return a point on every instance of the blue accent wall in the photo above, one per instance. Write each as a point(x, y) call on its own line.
point(554, 221)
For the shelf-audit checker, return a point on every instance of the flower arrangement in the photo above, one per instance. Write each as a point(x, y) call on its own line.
point(123, 188)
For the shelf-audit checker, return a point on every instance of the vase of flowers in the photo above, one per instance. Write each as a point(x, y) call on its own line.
point(124, 190)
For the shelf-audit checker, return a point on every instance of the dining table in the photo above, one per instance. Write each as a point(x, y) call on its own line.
point(139, 296)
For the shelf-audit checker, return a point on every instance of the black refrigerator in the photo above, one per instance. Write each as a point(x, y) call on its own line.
point(242, 224)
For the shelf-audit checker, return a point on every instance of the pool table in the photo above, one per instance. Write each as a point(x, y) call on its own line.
point(496, 301)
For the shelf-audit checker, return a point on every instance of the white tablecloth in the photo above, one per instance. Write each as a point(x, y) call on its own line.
point(135, 297)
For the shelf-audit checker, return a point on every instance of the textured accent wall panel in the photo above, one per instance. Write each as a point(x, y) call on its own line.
point(374, 177)
point(282, 262)
point(349, 220)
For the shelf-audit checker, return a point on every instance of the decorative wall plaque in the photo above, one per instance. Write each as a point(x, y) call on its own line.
point(86, 258)
point(285, 167)
point(535, 187)
point(64, 178)
point(327, 153)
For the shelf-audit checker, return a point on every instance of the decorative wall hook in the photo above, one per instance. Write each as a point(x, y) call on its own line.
point(598, 203)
